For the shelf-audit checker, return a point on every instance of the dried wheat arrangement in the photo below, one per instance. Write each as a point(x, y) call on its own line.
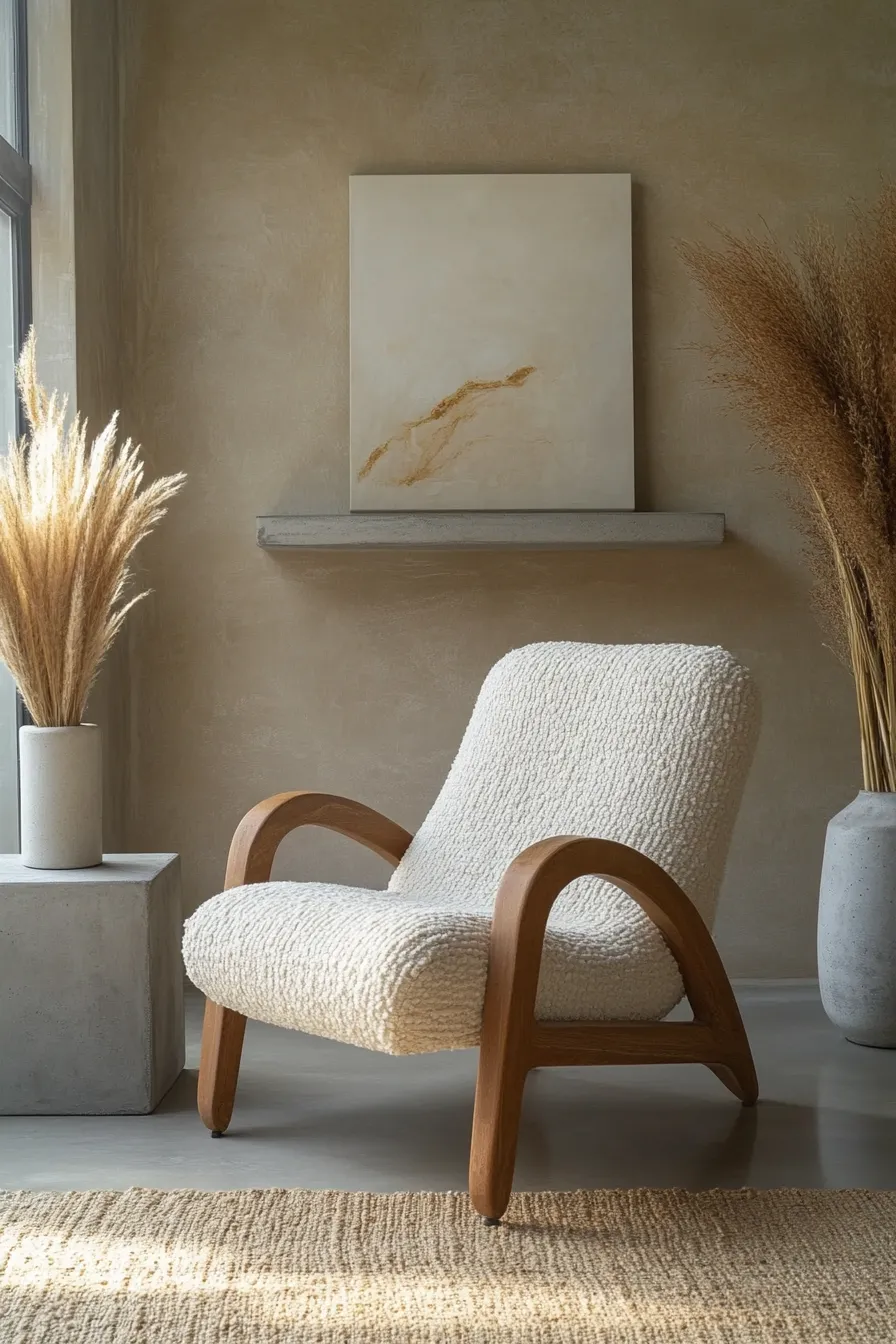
point(70, 518)
point(807, 348)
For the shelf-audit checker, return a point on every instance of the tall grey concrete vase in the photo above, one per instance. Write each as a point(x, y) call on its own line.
point(857, 921)
point(61, 787)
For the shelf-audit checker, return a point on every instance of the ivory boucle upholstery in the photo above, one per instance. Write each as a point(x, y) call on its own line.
point(647, 744)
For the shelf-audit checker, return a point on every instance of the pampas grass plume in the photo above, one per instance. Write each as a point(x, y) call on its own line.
point(807, 348)
point(70, 519)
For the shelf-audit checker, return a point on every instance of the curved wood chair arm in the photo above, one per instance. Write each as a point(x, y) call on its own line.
point(255, 842)
point(258, 836)
point(536, 877)
point(513, 1041)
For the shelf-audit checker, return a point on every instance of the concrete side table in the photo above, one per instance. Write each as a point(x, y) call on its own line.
point(91, 986)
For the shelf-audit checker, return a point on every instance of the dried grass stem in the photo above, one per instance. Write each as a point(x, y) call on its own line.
point(70, 519)
point(807, 347)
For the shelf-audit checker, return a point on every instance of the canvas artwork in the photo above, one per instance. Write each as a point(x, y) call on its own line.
point(491, 342)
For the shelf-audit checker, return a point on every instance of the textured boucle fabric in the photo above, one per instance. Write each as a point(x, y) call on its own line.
point(645, 744)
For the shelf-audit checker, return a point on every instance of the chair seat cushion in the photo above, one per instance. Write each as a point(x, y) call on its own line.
point(406, 976)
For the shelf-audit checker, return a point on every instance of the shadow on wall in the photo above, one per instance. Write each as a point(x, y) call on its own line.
point(378, 657)
point(405, 688)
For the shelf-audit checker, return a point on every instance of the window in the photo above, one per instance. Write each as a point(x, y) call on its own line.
point(15, 317)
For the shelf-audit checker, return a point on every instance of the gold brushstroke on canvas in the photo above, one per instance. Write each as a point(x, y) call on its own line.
point(441, 446)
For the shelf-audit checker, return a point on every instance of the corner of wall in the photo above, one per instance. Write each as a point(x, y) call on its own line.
point(76, 244)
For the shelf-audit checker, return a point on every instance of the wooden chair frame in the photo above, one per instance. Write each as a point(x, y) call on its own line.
point(512, 1041)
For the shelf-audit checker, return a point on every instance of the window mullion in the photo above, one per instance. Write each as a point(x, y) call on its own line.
point(15, 180)
point(20, 39)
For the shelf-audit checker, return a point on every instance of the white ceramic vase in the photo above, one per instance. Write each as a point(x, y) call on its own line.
point(61, 783)
point(857, 921)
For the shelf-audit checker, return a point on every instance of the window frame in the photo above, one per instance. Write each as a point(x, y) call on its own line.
point(15, 202)
point(15, 174)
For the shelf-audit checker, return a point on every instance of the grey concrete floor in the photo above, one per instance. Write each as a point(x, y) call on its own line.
point(314, 1114)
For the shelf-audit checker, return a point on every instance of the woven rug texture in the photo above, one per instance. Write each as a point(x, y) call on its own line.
point(625, 1266)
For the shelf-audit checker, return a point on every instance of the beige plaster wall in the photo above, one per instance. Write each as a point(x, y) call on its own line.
point(97, 253)
point(356, 673)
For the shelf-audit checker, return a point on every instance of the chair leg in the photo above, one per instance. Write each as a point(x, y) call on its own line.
point(738, 1072)
point(496, 1121)
point(509, 1031)
point(219, 1065)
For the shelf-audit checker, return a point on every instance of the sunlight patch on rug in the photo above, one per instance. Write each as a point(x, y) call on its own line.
point(651, 1267)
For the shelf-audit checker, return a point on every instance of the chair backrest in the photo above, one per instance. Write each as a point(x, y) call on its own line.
point(648, 744)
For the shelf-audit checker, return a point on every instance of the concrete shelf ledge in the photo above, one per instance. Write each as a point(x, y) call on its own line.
point(567, 531)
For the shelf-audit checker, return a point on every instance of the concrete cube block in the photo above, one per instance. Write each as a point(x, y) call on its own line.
point(91, 986)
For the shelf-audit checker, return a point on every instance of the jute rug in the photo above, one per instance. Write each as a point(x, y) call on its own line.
point(186, 1267)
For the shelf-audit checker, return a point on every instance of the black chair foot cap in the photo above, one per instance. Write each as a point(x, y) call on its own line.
point(491, 1222)
point(217, 1133)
